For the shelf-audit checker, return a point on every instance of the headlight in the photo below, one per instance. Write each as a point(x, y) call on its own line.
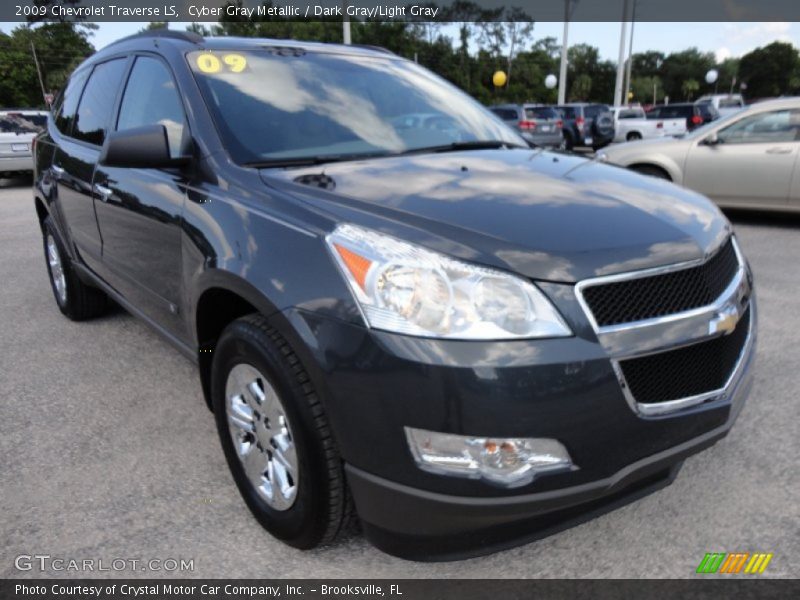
point(407, 289)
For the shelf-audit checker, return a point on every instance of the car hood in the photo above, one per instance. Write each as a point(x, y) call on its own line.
point(545, 215)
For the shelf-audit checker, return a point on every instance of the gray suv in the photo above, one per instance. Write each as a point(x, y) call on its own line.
point(538, 124)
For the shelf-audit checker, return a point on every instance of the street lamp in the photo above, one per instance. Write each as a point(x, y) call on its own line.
point(550, 81)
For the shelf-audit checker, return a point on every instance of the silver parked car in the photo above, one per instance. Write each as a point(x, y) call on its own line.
point(17, 130)
point(539, 124)
point(747, 159)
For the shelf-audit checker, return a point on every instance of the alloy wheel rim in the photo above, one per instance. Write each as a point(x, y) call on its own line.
point(262, 437)
point(56, 270)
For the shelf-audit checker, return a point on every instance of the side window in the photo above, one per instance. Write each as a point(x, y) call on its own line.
point(151, 98)
point(97, 102)
point(65, 113)
point(766, 128)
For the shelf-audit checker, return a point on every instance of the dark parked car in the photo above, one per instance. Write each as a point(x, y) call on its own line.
point(539, 124)
point(695, 114)
point(587, 125)
point(456, 338)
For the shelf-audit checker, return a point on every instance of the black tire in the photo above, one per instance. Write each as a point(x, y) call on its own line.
point(322, 508)
point(569, 142)
point(81, 301)
point(652, 171)
point(633, 136)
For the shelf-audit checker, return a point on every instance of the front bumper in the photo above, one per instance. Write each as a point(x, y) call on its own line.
point(374, 384)
point(420, 525)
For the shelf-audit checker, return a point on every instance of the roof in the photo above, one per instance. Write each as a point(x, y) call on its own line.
point(242, 43)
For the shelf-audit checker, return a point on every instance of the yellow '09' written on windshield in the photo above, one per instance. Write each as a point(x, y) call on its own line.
point(208, 62)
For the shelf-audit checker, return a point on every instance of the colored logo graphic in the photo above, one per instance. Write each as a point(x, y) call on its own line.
point(734, 562)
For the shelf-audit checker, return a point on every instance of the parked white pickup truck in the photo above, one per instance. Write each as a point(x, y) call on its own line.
point(631, 124)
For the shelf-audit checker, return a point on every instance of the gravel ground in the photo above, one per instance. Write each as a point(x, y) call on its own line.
point(108, 451)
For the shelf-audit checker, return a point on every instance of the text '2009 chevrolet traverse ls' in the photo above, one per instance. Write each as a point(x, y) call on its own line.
point(399, 311)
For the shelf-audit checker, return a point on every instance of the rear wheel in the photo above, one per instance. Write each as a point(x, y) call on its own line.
point(652, 171)
point(74, 298)
point(276, 437)
point(634, 136)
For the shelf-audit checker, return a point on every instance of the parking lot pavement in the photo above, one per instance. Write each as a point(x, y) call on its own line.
point(109, 452)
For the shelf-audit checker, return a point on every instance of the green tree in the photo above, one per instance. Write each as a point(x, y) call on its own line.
point(689, 88)
point(60, 47)
point(647, 64)
point(581, 88)
point(643, 89)
point(771, 70)
point(680, 67)
point(156, 25)
point(728, 74)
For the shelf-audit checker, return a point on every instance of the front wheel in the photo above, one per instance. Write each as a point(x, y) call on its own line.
point(276, 437)
point(74, 298)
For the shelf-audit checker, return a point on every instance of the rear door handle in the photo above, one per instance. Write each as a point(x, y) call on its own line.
point(103, 192)
point(779, 151)
point(57, 170)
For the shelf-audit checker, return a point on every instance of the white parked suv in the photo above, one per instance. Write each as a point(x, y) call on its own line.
point(725, 104)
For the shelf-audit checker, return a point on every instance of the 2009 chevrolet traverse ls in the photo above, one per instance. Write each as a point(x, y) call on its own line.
point(398, 309)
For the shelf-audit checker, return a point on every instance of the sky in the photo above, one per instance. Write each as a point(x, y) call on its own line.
point(723, 39)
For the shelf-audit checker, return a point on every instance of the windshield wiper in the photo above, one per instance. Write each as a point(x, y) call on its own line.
point(306, 161)
point(470, 145)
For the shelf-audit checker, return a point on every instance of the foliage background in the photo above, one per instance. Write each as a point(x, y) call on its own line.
point(486, 40)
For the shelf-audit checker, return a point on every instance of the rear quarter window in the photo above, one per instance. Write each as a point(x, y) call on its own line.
point(65, 113)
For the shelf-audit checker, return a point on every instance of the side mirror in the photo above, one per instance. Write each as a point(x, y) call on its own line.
point(142, 147)
point(711, 139)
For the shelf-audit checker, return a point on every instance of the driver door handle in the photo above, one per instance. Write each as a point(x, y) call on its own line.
point(779, 151)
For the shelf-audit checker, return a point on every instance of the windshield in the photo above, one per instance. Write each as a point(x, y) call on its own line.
point(276, 105)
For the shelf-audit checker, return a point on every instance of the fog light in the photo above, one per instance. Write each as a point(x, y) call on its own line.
point(510, 462)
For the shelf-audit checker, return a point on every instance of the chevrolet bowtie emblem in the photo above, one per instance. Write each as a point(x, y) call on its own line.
point(724, 321)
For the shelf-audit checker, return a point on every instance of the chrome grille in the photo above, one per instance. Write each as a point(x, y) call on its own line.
point(663, 294)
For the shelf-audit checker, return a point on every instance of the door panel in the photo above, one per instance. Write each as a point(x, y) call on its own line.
point(140, 210)
point(139, 213)
point(752, 163)
point(741, 174)
point(73, 167)
point(85, 122)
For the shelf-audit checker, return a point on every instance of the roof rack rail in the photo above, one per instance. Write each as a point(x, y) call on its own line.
point(376, 48)
point(186, 36)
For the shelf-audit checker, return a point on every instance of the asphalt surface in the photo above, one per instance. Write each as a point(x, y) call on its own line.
point(109, 452)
